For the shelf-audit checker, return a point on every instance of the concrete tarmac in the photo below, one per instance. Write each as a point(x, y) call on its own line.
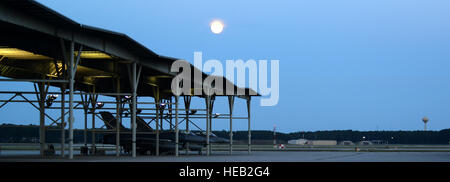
point(256, 156)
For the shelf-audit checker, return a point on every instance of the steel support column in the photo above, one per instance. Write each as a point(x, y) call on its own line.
point(133, 109)
point(157, 107)
point(249, 129)
point(63, 124)
point(161, 117)
point(211, 108)
point(71, 84)
point(157, 125)
point(207, 99)
point(41, 98)
point(118, 117)
point(85, 109)
point(176, 125)
point(161, 125)
point(187, 104)
point(134, 81)
point(231, 104)
point(169, 112)
point(93, 99)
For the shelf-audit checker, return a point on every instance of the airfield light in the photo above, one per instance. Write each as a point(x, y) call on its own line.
point(192, 112)
point(274, 135)
point(162, 106)
point(99, 105)
point(50, 99)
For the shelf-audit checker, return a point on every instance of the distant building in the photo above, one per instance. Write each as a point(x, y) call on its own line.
point(379, 142)
point(321, 142)
point(298, 141)
point(346, 143)
point(365, 143)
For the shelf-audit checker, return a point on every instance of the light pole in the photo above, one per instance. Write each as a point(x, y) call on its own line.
point(425, 121)
point(274, 135)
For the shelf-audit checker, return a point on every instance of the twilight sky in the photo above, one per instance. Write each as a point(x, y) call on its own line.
point(348, 64)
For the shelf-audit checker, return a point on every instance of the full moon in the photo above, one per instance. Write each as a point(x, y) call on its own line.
point(216, 26)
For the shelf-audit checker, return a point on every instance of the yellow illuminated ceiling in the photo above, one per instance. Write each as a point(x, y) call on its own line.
point(154, 80)
point(93, 55)
point(14, 53)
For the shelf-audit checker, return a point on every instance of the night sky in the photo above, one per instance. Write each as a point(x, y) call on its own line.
point(348, 64)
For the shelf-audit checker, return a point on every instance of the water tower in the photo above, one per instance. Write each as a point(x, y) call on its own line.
point(425, 121)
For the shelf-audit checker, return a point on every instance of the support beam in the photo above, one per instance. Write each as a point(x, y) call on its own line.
point(41, 98)
point(187, 104)
point(134, 83)
point(249, 129)
point(85, 110)
point(31, 102)
point(93, 101)
point(33, 80)
point(170, 114)
point(9, 100)
point(118, 117)
point(176, 125)
point(231, 104)
point(71, 89)
point(161, 125)
point(207, 99)
point(100, 93)
point(211, 108)
point(63, 123)
point(157, 105)
point(157, 124)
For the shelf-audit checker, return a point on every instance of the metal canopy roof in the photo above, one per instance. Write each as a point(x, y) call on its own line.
point(37, 31)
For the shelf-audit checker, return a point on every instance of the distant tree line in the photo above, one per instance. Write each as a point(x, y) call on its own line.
point(392, 137)
point(10, 133)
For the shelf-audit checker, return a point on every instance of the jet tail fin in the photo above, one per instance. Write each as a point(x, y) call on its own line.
point(110, 121)
point(141, 125)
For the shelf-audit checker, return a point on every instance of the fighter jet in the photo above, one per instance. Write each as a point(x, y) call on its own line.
point(146, 142)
